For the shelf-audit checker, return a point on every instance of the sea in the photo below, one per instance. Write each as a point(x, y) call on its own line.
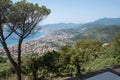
point(13, 40)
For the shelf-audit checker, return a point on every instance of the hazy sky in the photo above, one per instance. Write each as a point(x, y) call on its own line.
point(79, 11)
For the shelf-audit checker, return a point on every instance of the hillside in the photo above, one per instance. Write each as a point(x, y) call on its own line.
point(102, 29)
point(104, 33)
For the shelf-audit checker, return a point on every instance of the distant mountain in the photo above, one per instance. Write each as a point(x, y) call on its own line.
point(59, 26)
point(102, 29)
point(108, 21)
point(103, 22)
point(97, 23)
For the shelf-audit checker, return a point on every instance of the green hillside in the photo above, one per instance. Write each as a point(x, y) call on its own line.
point(103, 33)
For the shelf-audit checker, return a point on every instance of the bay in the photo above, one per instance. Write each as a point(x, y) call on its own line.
point(13, 40)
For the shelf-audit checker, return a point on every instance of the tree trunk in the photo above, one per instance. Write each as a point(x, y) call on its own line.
point(14, 64)
point(19, 58)
point(35, 76)
point(18, 73)
point(79, 74)
point(78, 70)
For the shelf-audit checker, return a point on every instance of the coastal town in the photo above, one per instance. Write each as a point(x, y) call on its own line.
point(48, 42)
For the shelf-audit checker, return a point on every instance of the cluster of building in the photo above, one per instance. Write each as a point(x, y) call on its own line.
point(49, 42)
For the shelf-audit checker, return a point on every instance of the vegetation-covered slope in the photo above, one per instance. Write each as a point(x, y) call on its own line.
point(103, 33)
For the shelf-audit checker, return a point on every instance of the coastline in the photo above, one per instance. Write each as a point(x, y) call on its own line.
point(42, 34)
point(48, 41)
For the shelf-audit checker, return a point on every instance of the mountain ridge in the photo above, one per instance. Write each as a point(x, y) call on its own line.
point(96, 23)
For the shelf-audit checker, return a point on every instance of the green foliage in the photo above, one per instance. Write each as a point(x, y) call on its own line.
point(72, 60)
point(51, 61)
point(117, 42)
point(42, 65)
point(5, 70)
point(89, 44)
point(2, 60)
point(102, 33)
point(101, 63)
point(24, 17)
point(77, 57)
point(4, 6)
point(31, 64)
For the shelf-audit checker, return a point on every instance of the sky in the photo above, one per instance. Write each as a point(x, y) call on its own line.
point(78, 11)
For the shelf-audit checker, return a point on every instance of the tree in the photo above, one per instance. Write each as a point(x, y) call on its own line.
point(117, 42)
point(65, 59)
point(39, 64)
point(31, 64)
point(20, 19)
point(51, 61)
point(116, 47)
point(83, 52)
